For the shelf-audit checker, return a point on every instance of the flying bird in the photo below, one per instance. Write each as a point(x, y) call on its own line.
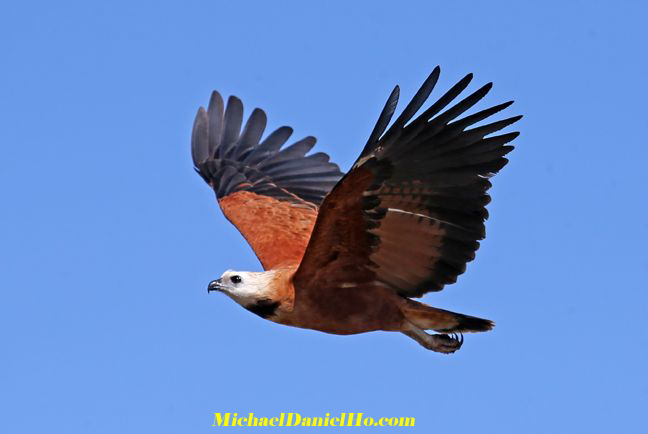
point(347, 253)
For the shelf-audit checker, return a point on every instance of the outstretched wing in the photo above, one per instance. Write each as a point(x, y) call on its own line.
point(410, 213)
point(270, 194)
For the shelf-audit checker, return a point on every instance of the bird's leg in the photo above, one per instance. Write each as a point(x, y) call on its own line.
point(440, 343)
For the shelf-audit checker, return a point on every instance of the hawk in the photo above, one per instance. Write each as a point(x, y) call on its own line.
point(347, 253)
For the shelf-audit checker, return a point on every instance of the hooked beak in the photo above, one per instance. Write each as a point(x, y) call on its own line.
point(215, 285)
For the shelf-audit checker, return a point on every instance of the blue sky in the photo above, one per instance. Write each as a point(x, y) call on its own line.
point(109, 238)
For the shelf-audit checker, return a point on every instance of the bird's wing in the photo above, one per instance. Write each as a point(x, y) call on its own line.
point(271, 194)
point(410, 213)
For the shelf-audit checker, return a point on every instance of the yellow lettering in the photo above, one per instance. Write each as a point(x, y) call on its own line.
point(219, 419)
point(297, 418)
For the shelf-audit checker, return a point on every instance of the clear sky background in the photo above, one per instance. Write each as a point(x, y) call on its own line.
point(109, 238)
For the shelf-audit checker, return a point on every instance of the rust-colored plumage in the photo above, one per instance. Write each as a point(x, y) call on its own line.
point(277, 231)
point(344, 254)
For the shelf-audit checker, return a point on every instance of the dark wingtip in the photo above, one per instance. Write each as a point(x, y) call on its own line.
point(234, 100)
point(396, 95)
point(199, 138)
point(383, 121)
point(231, 160)
point(215, 98)
point(504, 105)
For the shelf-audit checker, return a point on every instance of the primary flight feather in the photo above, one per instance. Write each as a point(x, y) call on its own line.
point(344, 253)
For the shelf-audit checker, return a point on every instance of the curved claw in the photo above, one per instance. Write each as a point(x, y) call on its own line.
point(446, 343)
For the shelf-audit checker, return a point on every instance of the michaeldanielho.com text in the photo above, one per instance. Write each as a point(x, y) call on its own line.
point(295, 419)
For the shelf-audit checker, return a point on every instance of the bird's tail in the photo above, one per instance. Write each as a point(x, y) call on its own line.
point(443, 321)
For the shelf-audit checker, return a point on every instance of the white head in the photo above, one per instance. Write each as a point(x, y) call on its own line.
point(244, 287)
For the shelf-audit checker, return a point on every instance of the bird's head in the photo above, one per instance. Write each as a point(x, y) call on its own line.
point(244, 287)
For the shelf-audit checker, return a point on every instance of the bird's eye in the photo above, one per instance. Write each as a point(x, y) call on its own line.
point(236, 279)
